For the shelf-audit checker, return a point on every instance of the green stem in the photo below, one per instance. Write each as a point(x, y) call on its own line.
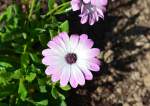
point(63, 11)
point(53, 10)
point(31, 10)
point(25, 48)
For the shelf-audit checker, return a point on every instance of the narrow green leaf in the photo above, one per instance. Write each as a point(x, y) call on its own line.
point(25, 60)
point(52, 33)
point(22, 90)
point(7, 90)
point(31, 9)
point(17, 74)
point(58, 8)
point(43, 39)
point(61, 96)
point(4, 76)
point(42, 85)
point(63, 1)
point(64, 27)
point(34, 57)
point(50, 4)
point(4, 93)
point(30, 77)
point(63, 8)
point(9, 12)
point(5, 64)
point(43, 89)
point(54, 92)
point(66, 88)
point(42, 103)
point(63, 103)
point(3, 104)
point(2, 16)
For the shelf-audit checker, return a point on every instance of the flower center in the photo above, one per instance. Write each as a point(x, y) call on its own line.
point(90, 7)
point(71, 58)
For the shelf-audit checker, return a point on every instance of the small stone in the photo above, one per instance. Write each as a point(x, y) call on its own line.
point(139, 104)
point(135, 75)
point(99, 90)
point(119, 90)
point(130, 99)
point(126, 104)
point(110, 79)
point(137, 97)
point(147, 81)
point(108, 56)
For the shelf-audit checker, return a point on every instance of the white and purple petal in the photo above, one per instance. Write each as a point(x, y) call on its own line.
point(91, 10)
point(71, 59)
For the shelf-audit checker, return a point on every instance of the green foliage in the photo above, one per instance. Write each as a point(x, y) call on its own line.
point(64, 27)
point(25, 29)
point(66, 88)
point(22, 91)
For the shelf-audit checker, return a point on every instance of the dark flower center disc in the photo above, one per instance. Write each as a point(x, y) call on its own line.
point(71, 58)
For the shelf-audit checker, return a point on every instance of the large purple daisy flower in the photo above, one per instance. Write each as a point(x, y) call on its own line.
point(71, 59)
point(91, 10)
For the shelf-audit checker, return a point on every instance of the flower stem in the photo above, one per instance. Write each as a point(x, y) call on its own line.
point(31, 10)
point(53, 10)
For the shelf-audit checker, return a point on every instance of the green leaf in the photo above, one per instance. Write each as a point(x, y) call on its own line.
point(5, 64)
point(22, 90)
point(52, 33)
point(9, 13)
point(61, 96)
point(58, 9)
point(4, 93)
point(50, 4)
point(4, 76)
point(31, 8)
point(7, 90)
point(41, 30)
point(24, 60)
point(43, 89)
point(42, 85)
point(2, 15)
point(17, 74)
point(54, 92)
point(10, 59)
point(66, 88)
point(42, 103)
point(34, 57)
point(63, 103)
point(63, 8)
point(43, 39)
point(64, 27)
point(63, 1)
point(3, 104)
point(30, 77)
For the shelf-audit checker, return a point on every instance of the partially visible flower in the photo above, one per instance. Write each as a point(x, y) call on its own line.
point(71, 59)
point(91, 10)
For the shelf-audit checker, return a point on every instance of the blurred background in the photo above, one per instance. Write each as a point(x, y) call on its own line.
point(124, 38)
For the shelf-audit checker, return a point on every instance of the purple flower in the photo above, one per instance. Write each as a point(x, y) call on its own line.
point(91, 10)
point(71, 59)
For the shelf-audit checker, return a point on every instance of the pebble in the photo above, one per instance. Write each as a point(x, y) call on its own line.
point(139, 104)
point(126, 104)
point(119, 90)
point(147, 81)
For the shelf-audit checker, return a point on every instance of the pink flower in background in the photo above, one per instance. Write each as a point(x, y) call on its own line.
point(71, 59)
point(91, 10)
